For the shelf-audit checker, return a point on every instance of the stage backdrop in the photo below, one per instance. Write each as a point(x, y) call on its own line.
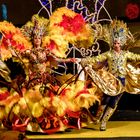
point(20, 11)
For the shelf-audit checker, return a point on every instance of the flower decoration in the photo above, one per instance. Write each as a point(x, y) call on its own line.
point(36, 27)
point(132, 10)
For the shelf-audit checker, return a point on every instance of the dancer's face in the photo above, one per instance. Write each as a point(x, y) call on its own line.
point(37, 40)
point(117, 45)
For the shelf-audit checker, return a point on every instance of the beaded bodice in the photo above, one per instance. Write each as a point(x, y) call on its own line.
point(116, 61)
point(38, 55)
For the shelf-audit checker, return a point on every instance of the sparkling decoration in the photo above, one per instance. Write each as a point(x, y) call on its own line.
point(44, 2)
point(78, 6)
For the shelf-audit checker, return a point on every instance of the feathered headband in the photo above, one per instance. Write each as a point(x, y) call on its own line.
point(36, 27)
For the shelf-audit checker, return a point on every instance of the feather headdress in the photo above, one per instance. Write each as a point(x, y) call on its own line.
point(36, 27)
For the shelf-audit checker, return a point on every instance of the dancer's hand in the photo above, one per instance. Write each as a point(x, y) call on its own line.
point(73, 60)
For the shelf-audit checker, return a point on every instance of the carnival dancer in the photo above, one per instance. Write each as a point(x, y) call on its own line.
point(116, 59)
point(39, 56)
point(39, 104)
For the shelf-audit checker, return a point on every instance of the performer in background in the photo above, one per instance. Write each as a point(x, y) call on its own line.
point(116, 59)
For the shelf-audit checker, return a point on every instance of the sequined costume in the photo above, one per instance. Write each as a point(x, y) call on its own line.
point(117, 63)
point(113, 80)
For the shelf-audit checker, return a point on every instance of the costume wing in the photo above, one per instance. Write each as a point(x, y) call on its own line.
point(133, 79)
point(12, 41)
point(66, 27)
point(109, 84)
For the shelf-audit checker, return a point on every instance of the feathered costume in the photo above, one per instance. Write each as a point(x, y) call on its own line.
point(44, 103)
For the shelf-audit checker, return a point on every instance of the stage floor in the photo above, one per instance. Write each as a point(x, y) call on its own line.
point(115, 129)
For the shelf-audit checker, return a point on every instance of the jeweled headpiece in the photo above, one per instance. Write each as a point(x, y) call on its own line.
point(36, 27)
point(118, 31)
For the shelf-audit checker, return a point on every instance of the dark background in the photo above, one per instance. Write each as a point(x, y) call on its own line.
point(20, 11)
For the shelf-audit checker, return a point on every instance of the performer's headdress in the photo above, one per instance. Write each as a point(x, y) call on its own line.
point(36, 27)
point(118, 31)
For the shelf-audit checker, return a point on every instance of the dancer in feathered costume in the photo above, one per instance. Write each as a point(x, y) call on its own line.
point(119, 75)
point(39, 102)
